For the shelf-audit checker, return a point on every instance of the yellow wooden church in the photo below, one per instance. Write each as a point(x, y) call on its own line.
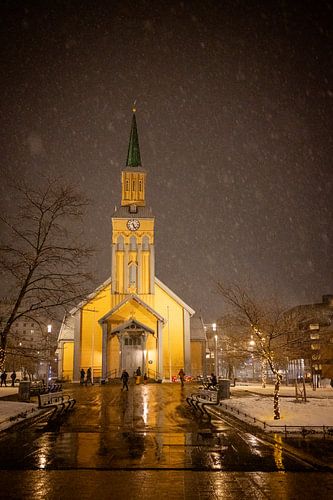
point(133, 319)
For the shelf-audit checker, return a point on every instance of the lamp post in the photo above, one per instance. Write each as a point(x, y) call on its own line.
point(216, 353)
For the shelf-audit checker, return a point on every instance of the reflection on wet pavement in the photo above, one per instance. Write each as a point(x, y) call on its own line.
point(148, 427)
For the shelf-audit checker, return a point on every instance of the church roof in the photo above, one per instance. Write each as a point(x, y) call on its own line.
point(197, 329)
point(135, 297)
point(133, 155)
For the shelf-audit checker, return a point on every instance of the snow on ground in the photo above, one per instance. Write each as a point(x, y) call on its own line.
point(12, 412)
point(317, 411)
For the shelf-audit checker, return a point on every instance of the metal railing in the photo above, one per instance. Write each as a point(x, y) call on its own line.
point(112, 374)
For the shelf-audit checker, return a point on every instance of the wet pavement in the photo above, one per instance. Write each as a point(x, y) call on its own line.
point(147, 441)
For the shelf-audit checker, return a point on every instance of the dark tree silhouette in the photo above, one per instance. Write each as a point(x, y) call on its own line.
point(267, 330)
point(40, 256)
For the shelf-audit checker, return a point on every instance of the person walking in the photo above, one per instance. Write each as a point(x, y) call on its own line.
point(13, 377)
point(124, 377)
point(82, 375)
point(181, 375)
point(88, 379)
point(4, 378)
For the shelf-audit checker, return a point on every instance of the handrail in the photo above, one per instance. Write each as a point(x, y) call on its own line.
point(112, 374)
point(153, 374)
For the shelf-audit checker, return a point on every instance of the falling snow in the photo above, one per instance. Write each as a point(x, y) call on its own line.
point(234, 111)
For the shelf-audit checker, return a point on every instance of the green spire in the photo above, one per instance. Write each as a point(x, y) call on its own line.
point(133, 155)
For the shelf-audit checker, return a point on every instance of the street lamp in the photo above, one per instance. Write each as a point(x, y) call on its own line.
point(214, 327)
point(216, 361)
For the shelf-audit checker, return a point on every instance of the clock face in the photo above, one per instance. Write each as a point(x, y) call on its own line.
point(133, 224)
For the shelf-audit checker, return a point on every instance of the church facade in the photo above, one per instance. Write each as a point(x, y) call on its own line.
point(133, 319)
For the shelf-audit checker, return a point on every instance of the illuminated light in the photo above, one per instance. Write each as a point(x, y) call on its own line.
point(214, 327)
point(278, 452)
point(49, 328)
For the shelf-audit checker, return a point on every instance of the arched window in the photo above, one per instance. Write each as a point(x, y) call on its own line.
point(127, 185)
point(145, 243)
point(132, 243)
point(120, 243)
point(140, 185)
point(133, 274)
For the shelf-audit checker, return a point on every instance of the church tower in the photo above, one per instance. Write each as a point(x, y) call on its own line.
point(132, 319)
point(132, 248)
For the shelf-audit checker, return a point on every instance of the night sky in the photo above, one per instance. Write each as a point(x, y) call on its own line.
point(234, 112)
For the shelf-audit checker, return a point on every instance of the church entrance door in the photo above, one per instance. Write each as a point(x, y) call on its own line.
point(132, 352)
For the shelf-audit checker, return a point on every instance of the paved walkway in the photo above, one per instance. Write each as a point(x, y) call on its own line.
point(144, 444)
point(165, 485)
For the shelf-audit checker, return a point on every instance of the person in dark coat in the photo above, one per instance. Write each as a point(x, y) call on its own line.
point(213, 381)
point(88, 379)
point(4, 378)
point(124, 377)
point(82, 375)
point(181, 376)
point(13, 377)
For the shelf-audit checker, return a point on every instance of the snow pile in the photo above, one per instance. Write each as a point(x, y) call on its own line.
point(316, 412)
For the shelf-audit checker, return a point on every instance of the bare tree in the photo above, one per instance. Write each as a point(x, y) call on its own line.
point(40, 256)
point(268, 331)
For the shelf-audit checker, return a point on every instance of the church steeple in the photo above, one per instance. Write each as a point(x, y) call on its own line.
point(133, 155)
point(133, 177)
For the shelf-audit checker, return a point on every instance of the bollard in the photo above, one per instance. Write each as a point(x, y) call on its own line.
point(24, 391)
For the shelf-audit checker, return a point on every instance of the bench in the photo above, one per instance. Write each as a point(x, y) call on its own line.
point(39, 388)
point(58, 400)
point(201, 400)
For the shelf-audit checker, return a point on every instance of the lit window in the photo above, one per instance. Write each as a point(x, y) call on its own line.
point(145, 243)
point(314, 336)
point(132, 274)
point(314, 326)
point(133, 243)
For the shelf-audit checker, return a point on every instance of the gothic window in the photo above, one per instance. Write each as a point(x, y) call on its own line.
point(133, 274)
point(127, 185)
point(120, 243)
point(133, 243)
point(133, 186)
point(145, 243)
point(140, 185)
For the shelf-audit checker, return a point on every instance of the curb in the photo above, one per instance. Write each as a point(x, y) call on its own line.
point(25, 422)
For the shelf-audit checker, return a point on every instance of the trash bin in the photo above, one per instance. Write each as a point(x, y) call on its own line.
point(223, 391)
point(24, 391)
